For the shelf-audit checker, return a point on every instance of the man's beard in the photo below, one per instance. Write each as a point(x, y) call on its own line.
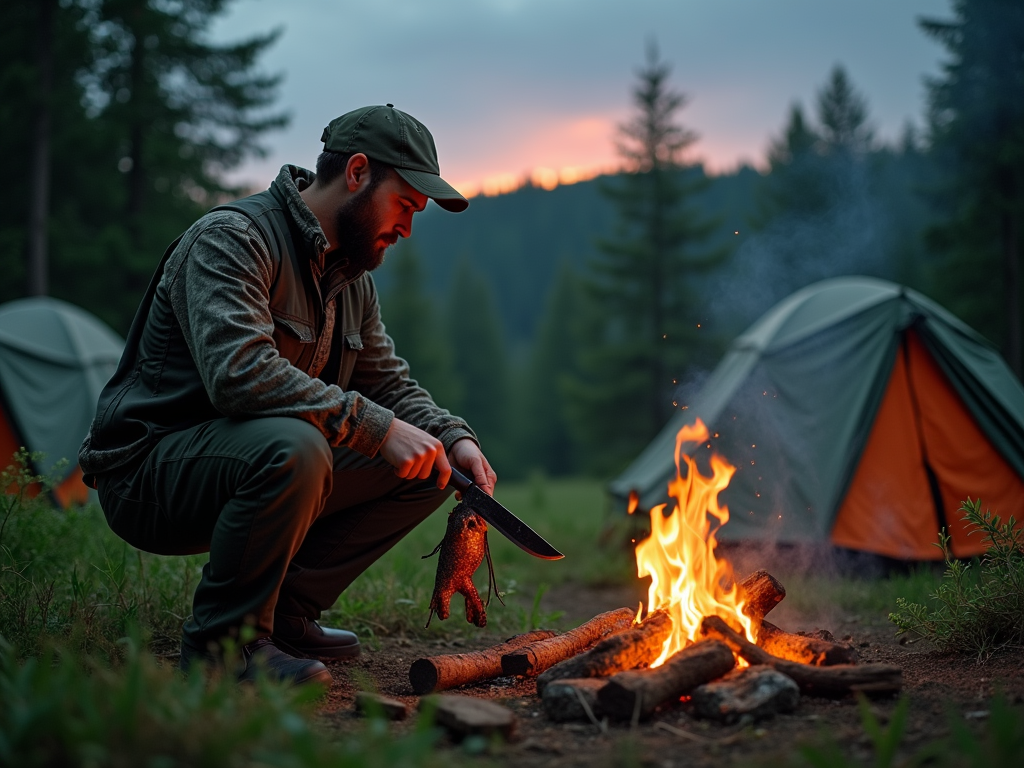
point(357, 226)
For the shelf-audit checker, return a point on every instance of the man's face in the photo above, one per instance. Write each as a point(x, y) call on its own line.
point(372, 221)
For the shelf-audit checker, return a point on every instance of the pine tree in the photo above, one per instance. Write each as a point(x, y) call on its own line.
point(843, 115)
point(413, 323)
point(642, 279)
point(976, 114)
point(177, 111)
point(44, 131)
point(794, 184)
point(481, 365)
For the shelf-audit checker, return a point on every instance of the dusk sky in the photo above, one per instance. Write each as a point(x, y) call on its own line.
point(511, 88)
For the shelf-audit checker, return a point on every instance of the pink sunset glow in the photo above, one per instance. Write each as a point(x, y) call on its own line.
point(565, 150)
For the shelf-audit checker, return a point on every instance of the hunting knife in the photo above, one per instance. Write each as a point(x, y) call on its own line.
point(507, 524)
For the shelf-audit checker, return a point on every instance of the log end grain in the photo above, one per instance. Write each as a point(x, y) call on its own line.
point(756, 693)
point(463, 716)
point(423, 676)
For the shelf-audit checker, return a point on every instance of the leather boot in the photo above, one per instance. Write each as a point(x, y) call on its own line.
point(261, 657)
point(305, 638)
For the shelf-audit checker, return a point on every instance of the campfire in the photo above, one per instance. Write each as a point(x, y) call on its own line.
point(703, 637)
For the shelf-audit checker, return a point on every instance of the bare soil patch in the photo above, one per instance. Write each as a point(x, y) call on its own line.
point(937, 685)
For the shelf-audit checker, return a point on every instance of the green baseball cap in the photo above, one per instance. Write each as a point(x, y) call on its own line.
point(400, 140)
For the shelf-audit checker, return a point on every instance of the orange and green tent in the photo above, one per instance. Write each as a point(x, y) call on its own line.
point(856, 412)
point(54, 360)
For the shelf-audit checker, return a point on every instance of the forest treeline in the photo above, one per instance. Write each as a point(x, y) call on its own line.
point(565, 325)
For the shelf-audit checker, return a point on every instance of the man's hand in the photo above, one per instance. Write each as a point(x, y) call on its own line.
point(467, 454)
point(414, 454)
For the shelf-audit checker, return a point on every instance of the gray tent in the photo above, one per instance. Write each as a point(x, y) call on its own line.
point(856, 411)
point(54, 360)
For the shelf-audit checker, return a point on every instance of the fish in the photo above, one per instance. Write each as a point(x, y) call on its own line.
point(462, 549)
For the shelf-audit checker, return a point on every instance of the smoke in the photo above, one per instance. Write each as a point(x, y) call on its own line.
point(845, 227)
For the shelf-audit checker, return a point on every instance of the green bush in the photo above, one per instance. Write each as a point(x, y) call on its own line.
point(980, 606)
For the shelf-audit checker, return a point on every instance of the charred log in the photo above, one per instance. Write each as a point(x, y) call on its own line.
point(635, 694)
point(806, 649)
point(834, 681)
point(756, 692)
point(626, 650)
point(533, 659)
point(573, 699)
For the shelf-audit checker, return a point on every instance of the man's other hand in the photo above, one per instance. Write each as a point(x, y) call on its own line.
point(467, 454)
point(414, 454)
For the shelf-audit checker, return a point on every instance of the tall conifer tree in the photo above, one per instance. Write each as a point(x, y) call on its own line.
point(648, 333)
point(977, 137)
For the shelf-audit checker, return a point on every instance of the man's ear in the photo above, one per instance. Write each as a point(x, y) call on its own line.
point(357, 172)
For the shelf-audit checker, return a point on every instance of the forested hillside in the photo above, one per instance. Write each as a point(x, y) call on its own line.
point(518, 241)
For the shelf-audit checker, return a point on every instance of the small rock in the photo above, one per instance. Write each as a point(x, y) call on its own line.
point(757, 692)
point(465, 716)
point(371, 704)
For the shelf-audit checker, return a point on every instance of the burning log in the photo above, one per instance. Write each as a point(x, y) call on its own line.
point(837, 680)
point(803, 648)
point(626, 650)
point(760, 592)
point(573, 699)
point(534, 658)
point(756, 692)
point(637, 693)
point(439, 673)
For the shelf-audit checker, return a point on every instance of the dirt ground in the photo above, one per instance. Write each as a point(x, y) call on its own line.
point(935, 683)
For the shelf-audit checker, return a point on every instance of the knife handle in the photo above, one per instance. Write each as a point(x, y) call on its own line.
point(459, 480)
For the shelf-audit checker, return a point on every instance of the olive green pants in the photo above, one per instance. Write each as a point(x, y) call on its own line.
point(288, 521)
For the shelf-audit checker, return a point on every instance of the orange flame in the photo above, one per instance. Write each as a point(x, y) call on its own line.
point(687, 579)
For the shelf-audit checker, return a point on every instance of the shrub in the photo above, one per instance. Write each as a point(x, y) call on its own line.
point(979, 606)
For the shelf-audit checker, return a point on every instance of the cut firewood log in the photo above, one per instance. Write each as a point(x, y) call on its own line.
point(635, 694)
point(625, 650)
point(534, 658)
point(469, 716)
point(834, 681)
point(755, 692)
point(760, 592)
point(439, 673)
point(570, 699)
point(805, 649)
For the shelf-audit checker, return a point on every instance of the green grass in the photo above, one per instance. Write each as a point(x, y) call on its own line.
point(62, 709)
point(81, 613)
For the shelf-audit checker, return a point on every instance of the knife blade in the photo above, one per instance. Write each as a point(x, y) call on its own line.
point(503, 521)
